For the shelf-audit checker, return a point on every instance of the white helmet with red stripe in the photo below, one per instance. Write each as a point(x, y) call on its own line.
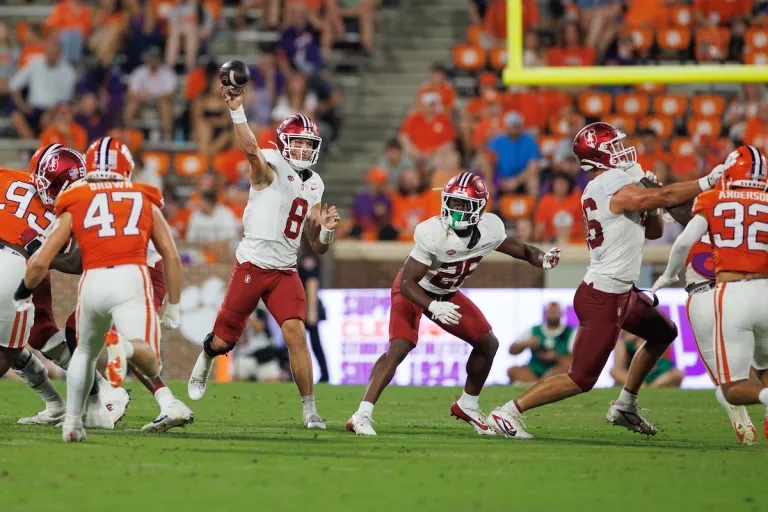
point(464, 199)
point(108, 159)
point(745, 168)
point(299, 141)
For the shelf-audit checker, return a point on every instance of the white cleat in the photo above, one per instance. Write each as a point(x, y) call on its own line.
point(472, 416)
point(116, 401)
point(508, 424)
point(360, 424)
point(742, 425)
point(629, 417)
point(199, 378)
point(73, 433)
point(176, 415)
point(313, 420)
point(96, 414)
point(52, 415)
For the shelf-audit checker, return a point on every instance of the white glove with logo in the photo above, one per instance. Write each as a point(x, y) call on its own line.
point(662, 282)
point(445, 312)
point(709, 181)
point(551, 258)
point(171, 316)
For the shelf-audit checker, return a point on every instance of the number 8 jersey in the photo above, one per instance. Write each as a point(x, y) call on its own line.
point(274, 217)
point(111, 220)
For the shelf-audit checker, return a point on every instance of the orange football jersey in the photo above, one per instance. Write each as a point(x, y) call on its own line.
point(21, 207)
point(111, 220)
point(738, 228)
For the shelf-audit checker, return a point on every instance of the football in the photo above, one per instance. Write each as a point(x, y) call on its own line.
point(681, 213)
point(234, 75)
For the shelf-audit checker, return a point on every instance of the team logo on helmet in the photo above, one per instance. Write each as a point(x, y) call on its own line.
point(590, 138)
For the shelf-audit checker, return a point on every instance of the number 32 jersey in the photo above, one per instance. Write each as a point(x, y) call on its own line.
point(738, 228)
point(111, 220)
point(450, 261)
point(274, 217)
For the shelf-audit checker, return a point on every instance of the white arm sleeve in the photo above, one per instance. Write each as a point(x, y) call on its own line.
point(693, 232)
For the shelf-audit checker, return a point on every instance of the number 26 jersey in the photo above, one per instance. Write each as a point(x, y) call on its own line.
point(274, 217)
point(450, 261)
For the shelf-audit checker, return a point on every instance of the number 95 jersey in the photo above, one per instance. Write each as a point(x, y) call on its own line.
point(274, 217)
point(450, 261)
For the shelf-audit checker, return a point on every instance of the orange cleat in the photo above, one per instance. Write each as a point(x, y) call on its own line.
point(117, 368)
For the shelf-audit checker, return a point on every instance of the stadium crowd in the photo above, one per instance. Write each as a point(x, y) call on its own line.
point(519, 139)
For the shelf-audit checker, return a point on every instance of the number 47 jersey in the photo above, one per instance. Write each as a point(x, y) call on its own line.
point(111, 220)
point(450, 260)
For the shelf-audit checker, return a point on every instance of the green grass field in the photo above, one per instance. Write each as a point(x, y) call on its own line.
point(247, 450)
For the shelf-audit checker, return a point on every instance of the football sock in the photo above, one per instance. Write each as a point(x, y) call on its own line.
point(721, 398)
point(627, 398)
point(308, 402)
point(468, 401)
point(79, 381)
point(128, 348)
point(35, 375)
point(511, 407)
point(164, 397)
point(366, 408)
point(207, 362)
point(763, 396)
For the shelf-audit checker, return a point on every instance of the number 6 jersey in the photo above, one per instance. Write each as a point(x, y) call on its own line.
point(111, 220)
point(274, 217)
point(450, 261)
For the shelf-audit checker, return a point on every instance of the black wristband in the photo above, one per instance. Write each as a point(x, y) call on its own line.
point(33, 246)
point(22, 292)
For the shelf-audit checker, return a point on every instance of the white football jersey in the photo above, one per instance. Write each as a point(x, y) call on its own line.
point(450, 261)
point(152, 255)
point(615, 241)
point(274, 217)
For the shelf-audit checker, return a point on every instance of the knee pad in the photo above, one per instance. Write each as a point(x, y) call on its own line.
point(23, 360)
point(212, 352)
point(59, 354)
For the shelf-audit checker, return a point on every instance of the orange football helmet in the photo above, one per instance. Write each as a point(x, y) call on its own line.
point(745, 168)
point(40, 155)
point(108, 159)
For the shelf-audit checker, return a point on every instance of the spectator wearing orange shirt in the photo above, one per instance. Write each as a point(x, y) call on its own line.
point(438, 83)
point(63, 130)
point(649, 150)
point(490, 126)
point(495, 20)
point(32, 43)
point(72, 20)
point(448, 166)
point(756, 131)
point(427, 131)
point(558, 213)
point(412, 204)
point(231, 164)
point(571, 51)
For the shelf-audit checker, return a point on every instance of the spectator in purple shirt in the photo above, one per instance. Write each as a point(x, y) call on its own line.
point(298, 43)
point(372, 208)
point(101, 93)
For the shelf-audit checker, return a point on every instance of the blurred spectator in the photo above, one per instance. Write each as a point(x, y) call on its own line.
point(33, 46)
point(176, 215)
point(63, 130)
point(110, 22)
point(551, 345)
point(211, 122)
point(101, 94)
point(438, 83)
point(650, 151)
point(524, 230)
point(329, 109)
point(237, 196)
point(231, 164)
point(192, 21)
point(270, 14)
point(153, 83)
point(495, 21)
point(720, 12)
point(309, 273)
point(394, 161)
point(372, 209)
point(145, 173)
point(71, 19)
point(708, 152)
point(143, 32)
point(625, 53)
point(743, 107)
point(598, 19)
point(517, 158)
point(558, 213)
point(533, 54)
point(412, 204)
point(572, 51)
point(49, 81)
point(756, 131)
point(664, 374)
point(448, 166)
point(363, 13)
point(267, 84)
point(477, 11)
point(647, 13)
point(297, 97)
point(563, 160)
point(213, 223)
point(9, 59)
point(490, 126)
point(267, 137)
point(427, 131)
point(297, 44)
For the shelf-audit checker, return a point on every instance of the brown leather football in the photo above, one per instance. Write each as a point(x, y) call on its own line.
point(682, 213)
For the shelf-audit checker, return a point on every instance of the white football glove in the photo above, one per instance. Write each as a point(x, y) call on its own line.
point(23, 304)
point(445, 312)
point(551, 258)
point(709, 181)
point(171, 316)
point(662, 282)
point(649, 175)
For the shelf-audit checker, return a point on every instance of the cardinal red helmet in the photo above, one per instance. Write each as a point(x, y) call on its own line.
point(599, 146)
point(299, 128)
point(464, 199)
point(57, 171)
point(40, 154)
point(109, 159)
point(745, 168)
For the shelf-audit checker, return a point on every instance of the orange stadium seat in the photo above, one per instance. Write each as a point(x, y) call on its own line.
point(673, 105)
point(499, 57)
point(704, 126)
point(469, 58)
point(681, 146)
point(516, 206)
point(756, 38)
point(511, 101)
point(682, 15)
point(708, 105)
point(547, 144)
point(189, 164)
point(531, 108)
point(594, 104)
point(554, 100)
point(473, 34)
point(159, 161)
point(643, 37)
point(650, 88)
point(633, 104)
point(673, 39)
point(625, 123)
point(756, 58)
point(662, 125)
point(712, 43)
point(558, 125)
point(132, 137)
